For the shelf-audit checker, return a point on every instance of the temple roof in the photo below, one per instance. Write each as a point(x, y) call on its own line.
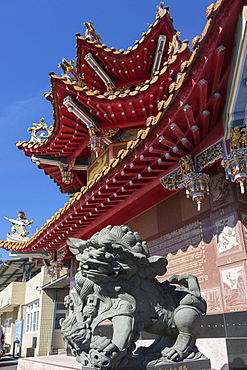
point(187, 121)
point(124, 65)
point(126, 106)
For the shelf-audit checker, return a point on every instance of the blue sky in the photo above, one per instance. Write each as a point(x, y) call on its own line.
point(35, 36)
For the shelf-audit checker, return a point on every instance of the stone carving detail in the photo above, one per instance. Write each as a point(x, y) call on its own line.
point(228, 238)
point(214, 299)
point(234, 286)
point(116, 281)
point(220, 191)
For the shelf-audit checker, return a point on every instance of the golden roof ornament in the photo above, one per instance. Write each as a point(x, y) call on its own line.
point(91, 33)
point(235, 163)
point(70, 72)
point(175, 44)
point(43, 130)
point(160, 9)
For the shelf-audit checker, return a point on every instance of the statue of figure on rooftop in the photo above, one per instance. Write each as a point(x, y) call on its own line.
point(19, 230)
point(90, 32)
point(116, 281)
point(175, 44)
point(160, 9)
point(70, 72)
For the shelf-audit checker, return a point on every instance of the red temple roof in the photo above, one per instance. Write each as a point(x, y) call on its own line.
point(133, 99)
point(187, 122)
point(124, 66)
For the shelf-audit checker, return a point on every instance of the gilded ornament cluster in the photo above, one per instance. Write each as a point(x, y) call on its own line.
point(195, 183)
point(235, 163)
point(44, 131)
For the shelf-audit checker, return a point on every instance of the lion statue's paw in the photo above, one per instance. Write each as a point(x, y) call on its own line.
point(181, 348)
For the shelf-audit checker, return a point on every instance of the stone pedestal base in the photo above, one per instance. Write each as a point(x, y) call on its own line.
point(63, 362)
point(202, 364)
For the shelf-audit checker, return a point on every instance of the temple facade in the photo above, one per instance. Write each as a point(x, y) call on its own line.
point(155, 137)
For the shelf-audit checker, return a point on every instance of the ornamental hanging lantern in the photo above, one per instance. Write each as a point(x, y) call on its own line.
point(66, 174)
point(96, 143)
point(67, 177)
point(235, 163)
point(196, 183)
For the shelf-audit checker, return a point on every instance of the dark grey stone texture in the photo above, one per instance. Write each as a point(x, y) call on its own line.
point(116, 281)
point(225, 325)
point(202, 364)
point(237, 353)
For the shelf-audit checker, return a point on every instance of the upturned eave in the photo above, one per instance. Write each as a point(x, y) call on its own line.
point(131, 182)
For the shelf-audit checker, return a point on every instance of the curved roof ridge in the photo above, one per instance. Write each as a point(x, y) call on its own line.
point(113, 50)
point(131, 145)
point(148, 83)
point(210, 12)
point(142, 134)
point(117, 94)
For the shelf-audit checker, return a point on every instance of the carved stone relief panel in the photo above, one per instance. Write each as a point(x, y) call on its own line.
point(213, 298)
point(220, 191)
point(234, 286)
point(227, 235)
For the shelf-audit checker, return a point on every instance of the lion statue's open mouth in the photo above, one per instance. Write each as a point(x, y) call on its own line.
point(116, 281)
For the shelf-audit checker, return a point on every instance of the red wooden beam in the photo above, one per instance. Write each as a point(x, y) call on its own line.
point(78, 150)
point(214, 104)
point(157, 149)
point(177, 130)
point(203, 121)
point(147, 156)
point(203, 89)
point(167, 142)
point(217, 68)
point(188, 114)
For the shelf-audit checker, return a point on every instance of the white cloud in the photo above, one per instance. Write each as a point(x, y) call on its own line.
point(23, 113)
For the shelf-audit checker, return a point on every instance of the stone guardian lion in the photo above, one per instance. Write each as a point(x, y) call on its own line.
point(116, 281)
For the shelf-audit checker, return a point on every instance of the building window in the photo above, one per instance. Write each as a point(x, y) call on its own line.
point(7, 326)
point(7, 329)
point(59, 316)
point(32, 317)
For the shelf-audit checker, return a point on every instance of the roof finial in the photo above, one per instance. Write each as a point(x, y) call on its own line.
point(90, 32)
point(160, 9)
point(19, 227)
point(175, 44)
